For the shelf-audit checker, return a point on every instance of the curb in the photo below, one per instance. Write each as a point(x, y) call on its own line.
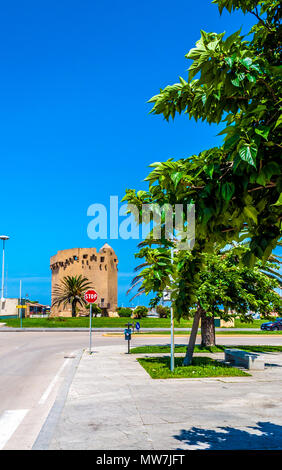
point(45, 435)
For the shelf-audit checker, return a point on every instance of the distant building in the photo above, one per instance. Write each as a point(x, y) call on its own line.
point(100, 268)
point(8, 308)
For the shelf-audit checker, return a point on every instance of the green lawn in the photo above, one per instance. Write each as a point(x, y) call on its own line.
point(181, 348)
point(105, 322)
point(159, 368)
point(253, 324)
point(99, 322)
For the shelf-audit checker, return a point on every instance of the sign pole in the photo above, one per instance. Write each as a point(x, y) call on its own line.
point(90, 297)
point(21, 315)
point(90, 329)
point(171, 330)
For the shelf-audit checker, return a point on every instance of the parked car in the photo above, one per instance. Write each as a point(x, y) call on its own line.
point(272, 325)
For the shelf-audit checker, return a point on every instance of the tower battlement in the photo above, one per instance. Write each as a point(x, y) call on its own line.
point(99, 267)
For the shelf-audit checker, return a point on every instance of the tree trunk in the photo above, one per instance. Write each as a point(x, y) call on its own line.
point(207, 330)
point(73, 308)
point(192, 340)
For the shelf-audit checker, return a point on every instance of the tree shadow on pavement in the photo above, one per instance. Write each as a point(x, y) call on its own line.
point(264, 435)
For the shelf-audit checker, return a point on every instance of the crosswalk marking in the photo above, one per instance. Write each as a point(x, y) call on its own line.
point(9, 421)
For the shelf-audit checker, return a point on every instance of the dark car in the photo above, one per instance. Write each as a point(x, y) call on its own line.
point(272, 325)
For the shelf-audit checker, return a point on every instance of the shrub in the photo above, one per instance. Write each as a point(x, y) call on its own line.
point(140, 312)
point(162, 311)
point(95, 309)
point(124, 311)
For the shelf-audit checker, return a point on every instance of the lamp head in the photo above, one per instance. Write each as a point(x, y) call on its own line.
point(4, 237)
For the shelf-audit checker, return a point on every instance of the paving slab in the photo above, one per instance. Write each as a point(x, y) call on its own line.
point(114, 404)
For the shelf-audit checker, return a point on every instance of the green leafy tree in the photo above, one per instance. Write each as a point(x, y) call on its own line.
point(124, 311)
point(71, 290)
point(234, 81)
point(237, 288)
point(223, 282)
point(163, 311)
point(140, 312)
point(236, 187)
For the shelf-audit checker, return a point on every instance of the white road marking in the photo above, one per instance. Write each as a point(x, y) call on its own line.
point(9, 421)
point(52, 383)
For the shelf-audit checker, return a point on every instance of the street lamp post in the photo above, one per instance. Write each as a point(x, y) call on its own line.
point(4, 238)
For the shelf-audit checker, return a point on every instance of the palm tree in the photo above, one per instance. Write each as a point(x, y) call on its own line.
point(71, 290)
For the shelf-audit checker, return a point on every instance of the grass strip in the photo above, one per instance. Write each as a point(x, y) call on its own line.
point(110, 322)
point(181, 348)
point(99, 322)
point(159, 368)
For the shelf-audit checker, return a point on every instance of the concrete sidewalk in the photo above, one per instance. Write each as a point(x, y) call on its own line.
point(113, 404)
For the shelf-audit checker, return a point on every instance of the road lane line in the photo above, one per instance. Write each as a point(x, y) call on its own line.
point(52, 383)
point(9, 421)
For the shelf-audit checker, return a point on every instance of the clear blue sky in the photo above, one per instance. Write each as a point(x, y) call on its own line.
point(75, 129)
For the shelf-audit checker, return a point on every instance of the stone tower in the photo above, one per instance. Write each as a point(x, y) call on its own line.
point(100, 268)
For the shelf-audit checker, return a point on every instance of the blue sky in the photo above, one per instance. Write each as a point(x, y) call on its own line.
point(75, 129)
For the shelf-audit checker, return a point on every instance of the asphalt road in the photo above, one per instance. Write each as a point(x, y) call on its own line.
point(33, 365)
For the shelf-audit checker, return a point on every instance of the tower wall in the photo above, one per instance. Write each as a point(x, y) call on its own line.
point(100, 268)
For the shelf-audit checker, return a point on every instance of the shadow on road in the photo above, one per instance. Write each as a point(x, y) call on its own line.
point(261, 436)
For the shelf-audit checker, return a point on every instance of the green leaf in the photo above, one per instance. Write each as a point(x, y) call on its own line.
point(229, 61)
point(248, 154)
point(235, 82)
point(229, 143)
point(279, 201)
point(251, 78)
point(141, 193)
point(247, 61)
point(255, 67)
point(209, 169)
point(176, 177)
point(240, 76)
point(263, 131)
point(260, 179)
point(227, 191)
point(182, 81)
point(279, 121)
point(270, 169)
point(251, 213)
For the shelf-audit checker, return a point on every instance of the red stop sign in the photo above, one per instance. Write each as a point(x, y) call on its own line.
point(90, 296)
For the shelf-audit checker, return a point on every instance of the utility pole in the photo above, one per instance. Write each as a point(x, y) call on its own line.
point(171, 329)
point(4, 238)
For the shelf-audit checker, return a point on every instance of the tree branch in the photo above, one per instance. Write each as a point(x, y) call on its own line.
point(256, 14)
point(271, 185)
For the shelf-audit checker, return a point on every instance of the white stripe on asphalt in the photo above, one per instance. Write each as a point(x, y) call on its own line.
point(51, 385)
point(9, 421)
